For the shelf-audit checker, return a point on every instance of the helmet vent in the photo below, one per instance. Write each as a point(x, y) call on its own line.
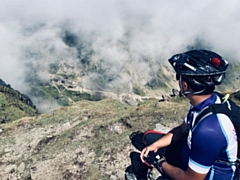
point(190, 67)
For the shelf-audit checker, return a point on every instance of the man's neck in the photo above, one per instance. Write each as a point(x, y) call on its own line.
point(197, 99)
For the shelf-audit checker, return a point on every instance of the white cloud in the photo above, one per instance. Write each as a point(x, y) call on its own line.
point(117, 30)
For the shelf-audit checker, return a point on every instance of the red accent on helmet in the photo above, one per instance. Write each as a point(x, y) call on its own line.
point(216, 61)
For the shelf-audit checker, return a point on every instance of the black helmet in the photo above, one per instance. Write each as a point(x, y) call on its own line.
point(201, 68)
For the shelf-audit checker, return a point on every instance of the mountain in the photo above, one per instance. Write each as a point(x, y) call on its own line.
point(64, 83)
point(85, 140)
point(13, 104)
point(78, 66)
point(81, 130)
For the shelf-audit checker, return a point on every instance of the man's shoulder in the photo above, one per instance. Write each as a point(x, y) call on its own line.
point(211, 124)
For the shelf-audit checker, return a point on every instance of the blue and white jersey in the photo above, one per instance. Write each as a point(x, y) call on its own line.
point(213, 138)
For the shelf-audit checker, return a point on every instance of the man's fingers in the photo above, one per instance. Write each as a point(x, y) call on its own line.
point(143, 153)
point(146, 152)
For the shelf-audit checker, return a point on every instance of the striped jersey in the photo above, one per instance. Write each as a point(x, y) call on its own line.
point(213, 138)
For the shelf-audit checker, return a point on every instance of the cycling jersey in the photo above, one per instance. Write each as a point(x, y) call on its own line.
point(213, 138)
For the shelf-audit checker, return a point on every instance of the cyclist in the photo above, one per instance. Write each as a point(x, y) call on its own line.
point(210, 147)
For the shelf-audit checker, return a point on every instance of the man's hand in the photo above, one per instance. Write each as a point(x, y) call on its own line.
point(147, 150)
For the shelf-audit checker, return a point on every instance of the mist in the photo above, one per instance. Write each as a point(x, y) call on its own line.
point(115, 34)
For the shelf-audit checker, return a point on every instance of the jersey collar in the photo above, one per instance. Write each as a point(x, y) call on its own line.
point(211, 100)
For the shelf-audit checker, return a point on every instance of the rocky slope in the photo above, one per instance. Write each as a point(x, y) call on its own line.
point(87, 140)
point(13, 104)
point(83, 139)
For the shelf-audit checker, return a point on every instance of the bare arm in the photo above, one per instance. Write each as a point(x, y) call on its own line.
point(173, 172)
point(178, 174)
point(174, 135)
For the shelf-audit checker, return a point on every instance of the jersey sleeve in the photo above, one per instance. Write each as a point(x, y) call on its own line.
point(207, 142)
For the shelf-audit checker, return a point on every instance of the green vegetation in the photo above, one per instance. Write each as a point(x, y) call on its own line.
point(138, 90)
point(92, 133)
point(156, 83)
point(77, 96)
point(12, 108)
point(62, 95)
point(88, 133)
point(160, 80)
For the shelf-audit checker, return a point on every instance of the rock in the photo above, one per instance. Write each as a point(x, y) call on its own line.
point(66, 125)
point(113, 177)
point(21, 167)
point(129, 99)
point(160, 127)
point(10, 168)
point(7, 150)
point(120, 173)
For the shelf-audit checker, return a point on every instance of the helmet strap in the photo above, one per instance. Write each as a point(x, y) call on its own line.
point(185, 93)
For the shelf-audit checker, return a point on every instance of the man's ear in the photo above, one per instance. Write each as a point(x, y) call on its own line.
point(185, 85)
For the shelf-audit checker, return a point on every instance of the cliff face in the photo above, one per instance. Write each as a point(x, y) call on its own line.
point(13, 104)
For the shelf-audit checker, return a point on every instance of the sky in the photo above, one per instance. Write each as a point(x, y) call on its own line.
point(120, 32)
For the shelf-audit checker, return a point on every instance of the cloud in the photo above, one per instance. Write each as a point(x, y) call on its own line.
point(127, 39)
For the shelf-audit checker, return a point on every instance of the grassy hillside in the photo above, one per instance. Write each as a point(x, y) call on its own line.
point(84, 139)
point(87, 140)
point(14, 105)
